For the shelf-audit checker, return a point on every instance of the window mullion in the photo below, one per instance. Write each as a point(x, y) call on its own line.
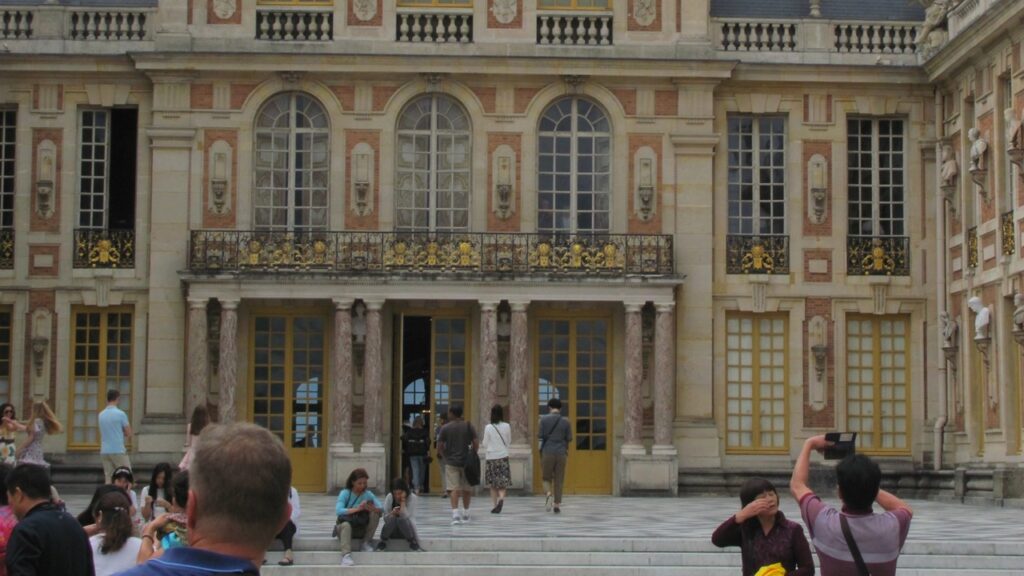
point(755, 177)
point(432, 176)
point(106, 170)
point(573, 188)
point(292, 150)
point(876, 189)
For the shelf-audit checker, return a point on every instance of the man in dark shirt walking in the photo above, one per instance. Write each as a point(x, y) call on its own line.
point(455, 441)
point(46, 541)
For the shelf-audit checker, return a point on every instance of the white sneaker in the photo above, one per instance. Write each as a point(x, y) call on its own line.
point(367, 545)
point(456, 520)
point(465, 517)
point(547, 503)
point(347, 560)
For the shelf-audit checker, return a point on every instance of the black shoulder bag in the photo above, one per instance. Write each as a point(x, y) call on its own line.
point(854, 550)
point(544, 437)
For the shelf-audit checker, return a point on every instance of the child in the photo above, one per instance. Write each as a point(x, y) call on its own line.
point(168, 530)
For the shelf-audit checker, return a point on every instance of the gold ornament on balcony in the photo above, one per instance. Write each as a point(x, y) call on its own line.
point(757, 260)
point(878, 260)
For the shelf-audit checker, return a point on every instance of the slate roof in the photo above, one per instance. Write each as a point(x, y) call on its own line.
point(867, 10)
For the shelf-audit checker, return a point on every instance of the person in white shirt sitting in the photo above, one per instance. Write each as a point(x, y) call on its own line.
point(399, 514)
point(287, 534)
point(114, 549)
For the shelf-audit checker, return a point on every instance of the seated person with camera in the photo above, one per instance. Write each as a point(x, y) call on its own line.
point(856, 540)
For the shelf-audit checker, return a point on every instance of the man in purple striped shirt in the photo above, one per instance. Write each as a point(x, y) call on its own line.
point(879, 537)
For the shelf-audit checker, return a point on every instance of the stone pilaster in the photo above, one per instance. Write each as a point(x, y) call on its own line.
point(488, 360)
point(518, 371)
point(634, 414)
point(373, 380)
point(664, 379)
point(198, 363)
point(341, 399)
point(228, 359)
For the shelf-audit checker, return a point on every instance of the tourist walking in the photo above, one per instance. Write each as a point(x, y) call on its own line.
point(43, 422)
point(417, 447)
point(764, 535)
point(457, 438)
point(400, 515)
point(442, 420)
point(47, 541)
point(287, 534)
point(156, 497)
point(115, 431)
point(358, 511)
point(200, 419)
point(846, 540)
point(114, 549)
point(497, 437)
point(9, 427)
point(555, 434)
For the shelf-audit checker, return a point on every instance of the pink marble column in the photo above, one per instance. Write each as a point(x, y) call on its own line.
point(488, 359)
point(373, 404)
point(228, 359)
point(634, 375)
point(518, 375)
point(341, 375)
point(664, 374)
point(198, 363)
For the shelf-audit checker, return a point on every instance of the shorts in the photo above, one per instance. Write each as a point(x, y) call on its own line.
point(455, 477)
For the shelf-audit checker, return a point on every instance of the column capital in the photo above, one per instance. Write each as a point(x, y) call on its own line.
point(374, 303)
point(228, 303)
point(488, 305)
point(663, 307)
point(343, 303)
point(194, 303)
point(519, 305)
point(633, 307)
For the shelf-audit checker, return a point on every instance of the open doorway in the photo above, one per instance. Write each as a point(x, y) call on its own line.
point(415, 396)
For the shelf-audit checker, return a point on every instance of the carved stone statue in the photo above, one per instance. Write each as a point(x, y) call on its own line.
point(934, 16)
point(950, 328)
point(982, 318)
point(979, 150)
point(1018, 312)
point(1014, 131)
point(950, 167)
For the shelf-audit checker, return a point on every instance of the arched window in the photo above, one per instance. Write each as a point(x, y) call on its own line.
point(292, 158)
point(574, 168)
point(432, 180)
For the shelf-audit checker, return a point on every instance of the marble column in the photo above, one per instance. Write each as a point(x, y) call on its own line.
point(634, 414)
point(198, 364)
point(664, 377)
point(488, 359)
point(373, 403)
point(228, 359)
point(518, 375)
point(341, 374)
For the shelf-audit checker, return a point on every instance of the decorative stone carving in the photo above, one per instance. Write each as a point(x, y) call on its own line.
point(644, 12)
point(949, 173)
point(46, 158)
point(1015, 139)
point(646, 175)
point(220, 161)
point(362, 179)
point(365, 10)
point(949, 329)
point(979, 161)
point(1018, 318)
point(982, 318)
point(817, 183)
point(42, 328)
point(504, 10)
point(224, 9)
point(817, 340)
point(504, 170)
point(932, 35)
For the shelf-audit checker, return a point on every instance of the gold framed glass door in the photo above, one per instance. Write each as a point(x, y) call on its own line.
point(289, 390)
point(573, 364)
point(449, 369)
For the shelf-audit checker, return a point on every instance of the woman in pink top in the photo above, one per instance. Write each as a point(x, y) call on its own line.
point(7, 519)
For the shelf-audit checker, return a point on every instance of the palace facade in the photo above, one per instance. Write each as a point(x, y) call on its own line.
point(711, 227)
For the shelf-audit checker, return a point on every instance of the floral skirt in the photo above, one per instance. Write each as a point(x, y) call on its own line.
point(497, 474)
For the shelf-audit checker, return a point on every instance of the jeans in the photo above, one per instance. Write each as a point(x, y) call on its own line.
point(419, 469)
point(403, 525)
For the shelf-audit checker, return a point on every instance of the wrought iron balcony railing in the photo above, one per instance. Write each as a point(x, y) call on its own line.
point(7, 249)
point(104, 248)
point(878, 255)
point(1008, 232)
point(757, 254)
point(603, 255)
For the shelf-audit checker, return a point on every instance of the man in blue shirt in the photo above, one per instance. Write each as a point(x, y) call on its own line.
point(239, 482)
point(114, 432)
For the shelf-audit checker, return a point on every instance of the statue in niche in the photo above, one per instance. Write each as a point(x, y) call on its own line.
point(982, 318)
point(950, 167)
point(1018, 312)
point(979, 150)
point(931, 34)
point(949, 328)
point(1014, 131)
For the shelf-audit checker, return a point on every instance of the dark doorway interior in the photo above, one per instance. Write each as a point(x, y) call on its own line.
point(124, 125)
point(416, 385)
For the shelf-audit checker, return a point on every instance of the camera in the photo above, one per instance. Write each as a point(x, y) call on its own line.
point(843, 444)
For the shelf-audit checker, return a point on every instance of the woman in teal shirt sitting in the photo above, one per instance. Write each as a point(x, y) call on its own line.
point(358, 511)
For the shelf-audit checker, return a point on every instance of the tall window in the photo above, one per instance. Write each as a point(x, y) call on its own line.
point(1006, 103)
point(757, 175)
point(756, 383)
point(878, 382)
point(875, 179)
point(432, 183)
point(106, 168)
point(292, 159)
point(102, 348)
point(574, 172)
point(8, 117)
point(5, 355)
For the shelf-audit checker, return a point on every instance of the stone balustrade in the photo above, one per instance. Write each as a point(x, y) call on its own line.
point(575, 29)
point(435, 26)
point(15, 24)
point(295, 25)
point(760, 36)
point(876, 38)
point(108, 24)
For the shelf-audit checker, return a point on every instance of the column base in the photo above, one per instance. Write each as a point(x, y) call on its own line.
point(648, 473)
point(698, 441)
point(343, 459)
point(633, 450)
point(520, 463)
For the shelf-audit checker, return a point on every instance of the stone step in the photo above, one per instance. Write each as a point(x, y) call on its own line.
point(489, 570)
point(633, 559)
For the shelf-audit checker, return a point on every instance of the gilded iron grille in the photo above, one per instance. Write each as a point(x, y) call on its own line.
point(474, 254)
point(104, 248)
point(972, 247)
point(878, 255)
point(757, 254)
point(1008, 232)
point(6, 249)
